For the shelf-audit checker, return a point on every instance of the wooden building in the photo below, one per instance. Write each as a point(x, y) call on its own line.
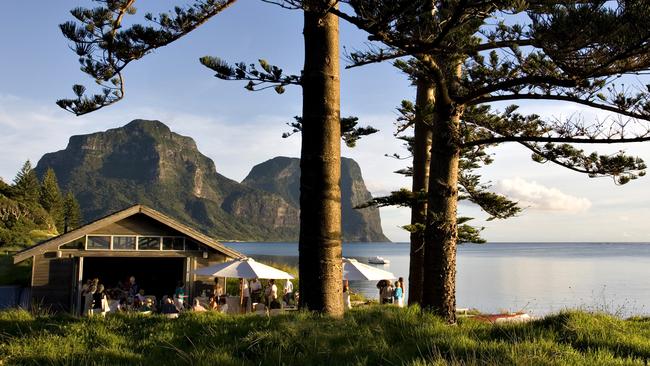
point(137, 241)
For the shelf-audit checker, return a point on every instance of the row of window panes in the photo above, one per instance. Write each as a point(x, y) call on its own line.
point(144, 243)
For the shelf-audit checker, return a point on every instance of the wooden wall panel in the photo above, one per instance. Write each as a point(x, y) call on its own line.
point(52, 281)
point(137, 225)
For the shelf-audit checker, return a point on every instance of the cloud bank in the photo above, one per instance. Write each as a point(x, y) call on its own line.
point(538, 197)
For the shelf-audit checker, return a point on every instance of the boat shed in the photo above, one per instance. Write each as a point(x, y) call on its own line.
point(138, 241)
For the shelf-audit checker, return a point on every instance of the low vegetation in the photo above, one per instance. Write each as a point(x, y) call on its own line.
point(365, 336)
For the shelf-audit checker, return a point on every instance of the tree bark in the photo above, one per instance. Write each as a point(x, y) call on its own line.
point(441, 233)
point(320, 267)
point(421, 159)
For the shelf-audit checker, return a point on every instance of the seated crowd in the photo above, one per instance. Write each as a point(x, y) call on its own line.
point(128, 296)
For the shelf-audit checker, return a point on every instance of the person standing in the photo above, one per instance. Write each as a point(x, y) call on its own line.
point(244, 295)
point(288, 292)
point(347, 304)
point(398, 294)
point(272, 295)
point(256, 291)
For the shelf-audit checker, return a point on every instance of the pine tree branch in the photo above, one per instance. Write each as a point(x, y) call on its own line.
point(105, 49)
point(566, 98)
point(570, 140)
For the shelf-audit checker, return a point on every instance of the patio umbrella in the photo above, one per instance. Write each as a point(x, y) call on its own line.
point(357, 271)
point(243, 268)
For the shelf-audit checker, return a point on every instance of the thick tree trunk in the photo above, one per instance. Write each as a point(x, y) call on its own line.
point(441, 232)
point(320, 196)
point(421, 160)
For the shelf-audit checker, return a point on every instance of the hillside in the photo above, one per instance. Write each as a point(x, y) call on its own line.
point(145, 162)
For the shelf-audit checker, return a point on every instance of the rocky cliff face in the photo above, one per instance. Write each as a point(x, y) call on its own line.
point(145, 162)
point(281, 175)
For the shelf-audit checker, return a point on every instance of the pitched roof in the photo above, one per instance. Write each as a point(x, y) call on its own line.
point(54, 243)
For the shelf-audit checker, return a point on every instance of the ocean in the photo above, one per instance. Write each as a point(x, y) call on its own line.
point(538, 278)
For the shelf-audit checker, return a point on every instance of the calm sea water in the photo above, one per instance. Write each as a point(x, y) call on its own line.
point(539, 278)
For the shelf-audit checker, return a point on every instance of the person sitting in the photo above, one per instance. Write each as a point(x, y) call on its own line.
point(169, 309)
point(179, 296)
point(223, 305)
point(197, 305)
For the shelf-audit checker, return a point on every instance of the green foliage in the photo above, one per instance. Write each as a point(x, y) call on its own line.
point(370, 335)
point(350, 133)
point(105, 46)
point(264, 77)
point(30, 211)
point(14, 274)
point(51, 199)
point(71, 213)
point(26, 186)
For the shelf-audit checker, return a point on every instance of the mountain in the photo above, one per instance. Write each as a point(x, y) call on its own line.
point(281, 175)
point(145, 162)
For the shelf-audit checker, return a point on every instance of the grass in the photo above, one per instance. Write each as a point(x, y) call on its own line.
point(374, 335)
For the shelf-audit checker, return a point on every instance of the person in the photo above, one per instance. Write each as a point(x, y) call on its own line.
point(217, 291)
point(98, 301)
point(271, 293)
point(179, 295)
point(346, 297)
point(197, 305)
point(134, 289)
point(386, 292)
point(381, 285)
point(169, 309)
point(256, 290)
point(139, 299)
point(223, 305)
point(288, 292)
point(244, 295)
point(398, 294)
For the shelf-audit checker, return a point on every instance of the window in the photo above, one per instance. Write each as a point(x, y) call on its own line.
point(173, 243)
point(149, 243)
point(98, 242)
point(124, 242)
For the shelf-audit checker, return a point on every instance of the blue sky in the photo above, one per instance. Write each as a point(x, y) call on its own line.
point(239, 129)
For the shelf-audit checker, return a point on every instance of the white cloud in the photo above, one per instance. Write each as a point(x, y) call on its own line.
point(539, 197)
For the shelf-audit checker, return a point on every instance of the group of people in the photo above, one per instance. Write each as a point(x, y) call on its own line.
point(391, 293)
point(128, 296)
point(253, 292)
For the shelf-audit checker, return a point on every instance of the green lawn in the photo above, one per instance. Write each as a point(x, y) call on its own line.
point(367, 336)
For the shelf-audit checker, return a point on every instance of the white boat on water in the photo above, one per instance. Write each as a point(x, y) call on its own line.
point(378, 260)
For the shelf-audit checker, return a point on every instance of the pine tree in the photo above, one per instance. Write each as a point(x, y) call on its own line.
point(566, 51)
point(26, 187)
point(105, 49)
point(71, 213)
point(51, 198)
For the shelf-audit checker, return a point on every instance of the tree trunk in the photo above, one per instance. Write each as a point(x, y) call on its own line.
point(320, 267)
point(439, 294)
point(421, 160)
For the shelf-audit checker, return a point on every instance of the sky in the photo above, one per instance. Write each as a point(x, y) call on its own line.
point(239, 129)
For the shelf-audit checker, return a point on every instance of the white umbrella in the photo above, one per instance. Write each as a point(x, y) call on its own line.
point(243, 268)
point(354, 270)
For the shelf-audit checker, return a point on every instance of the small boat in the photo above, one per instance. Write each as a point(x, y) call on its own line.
point(378, 260)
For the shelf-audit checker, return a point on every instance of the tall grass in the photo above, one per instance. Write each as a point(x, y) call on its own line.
point(375, 335)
